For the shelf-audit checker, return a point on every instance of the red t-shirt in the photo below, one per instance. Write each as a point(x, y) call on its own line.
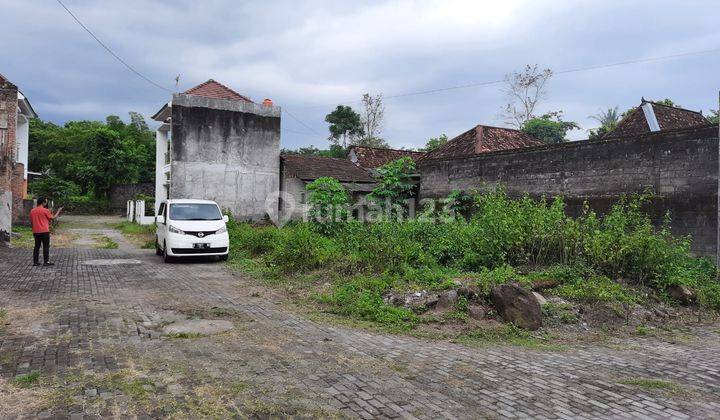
point(40, 218)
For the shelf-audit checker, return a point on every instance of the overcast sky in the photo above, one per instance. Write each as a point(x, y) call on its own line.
point(309, 56)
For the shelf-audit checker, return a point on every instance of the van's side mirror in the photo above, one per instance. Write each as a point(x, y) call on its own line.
point(159, 219)
point(226, 218)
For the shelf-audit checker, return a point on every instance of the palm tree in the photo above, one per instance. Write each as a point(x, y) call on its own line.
point(607, 118)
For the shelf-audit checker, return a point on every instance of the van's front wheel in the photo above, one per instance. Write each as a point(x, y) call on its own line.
point(223, 257)
point(158, 251)
point(167, 258)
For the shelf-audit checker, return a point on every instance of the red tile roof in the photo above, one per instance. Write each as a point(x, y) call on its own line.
point(213, 89)
point(309, 168)
point(371, 157)
point(668, 118)
point(483, 139)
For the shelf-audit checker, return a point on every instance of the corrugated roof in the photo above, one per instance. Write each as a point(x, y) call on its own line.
point(668, 118)
point(371, 157)
point(215, 90)
point(311, 168)
point(483, 139)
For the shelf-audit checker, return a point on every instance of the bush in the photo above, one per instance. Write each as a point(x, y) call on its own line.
point(302, 248)
point(584, 255)
point(86, 204)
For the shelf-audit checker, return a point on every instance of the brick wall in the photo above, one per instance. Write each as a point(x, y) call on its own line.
point(681, 167)
point(120, 194)
point(8, 122)
point(18, 188)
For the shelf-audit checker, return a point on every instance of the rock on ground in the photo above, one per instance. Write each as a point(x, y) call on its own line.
point(447, 300)
point(517, 305)
point(682, 294)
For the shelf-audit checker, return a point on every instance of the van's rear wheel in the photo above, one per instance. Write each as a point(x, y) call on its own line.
point(223, 257)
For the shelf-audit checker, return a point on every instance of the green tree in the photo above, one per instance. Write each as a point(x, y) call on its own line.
point(549, 128)
point(434, 143)
point(345, 125)
point(668, 102)
point(105, 157)
point(395, 182)
point(67, 151)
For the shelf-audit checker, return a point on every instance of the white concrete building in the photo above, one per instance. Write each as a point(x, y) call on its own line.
point(216, 144)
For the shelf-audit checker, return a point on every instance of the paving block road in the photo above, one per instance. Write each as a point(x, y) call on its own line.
point(97, 310)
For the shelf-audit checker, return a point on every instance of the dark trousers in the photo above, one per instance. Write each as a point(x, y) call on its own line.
point(44, 239)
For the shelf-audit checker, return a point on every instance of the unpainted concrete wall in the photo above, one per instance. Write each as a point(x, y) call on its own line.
point(680, 167)
point(292, 204)
point(226, 151)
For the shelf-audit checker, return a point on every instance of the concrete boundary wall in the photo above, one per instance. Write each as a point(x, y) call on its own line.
point(681, 167)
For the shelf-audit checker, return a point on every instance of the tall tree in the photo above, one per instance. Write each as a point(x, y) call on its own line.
point(345, 125)
point(138, 121)
point(608, 120)
point(373, 119)
point(524, 91)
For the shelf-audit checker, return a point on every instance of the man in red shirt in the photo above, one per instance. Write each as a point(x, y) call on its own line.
point(40, 218)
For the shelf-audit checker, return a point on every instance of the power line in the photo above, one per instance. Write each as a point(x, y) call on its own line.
point(301, 122)
point(566, 71)
point(287, 130)
point(117, 57)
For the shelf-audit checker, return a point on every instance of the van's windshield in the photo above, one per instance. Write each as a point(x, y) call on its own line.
point(194, 211)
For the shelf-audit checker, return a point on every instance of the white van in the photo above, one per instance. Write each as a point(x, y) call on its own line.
point(188, 228)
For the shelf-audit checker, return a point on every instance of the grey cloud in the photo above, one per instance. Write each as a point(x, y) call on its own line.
point(311, 55)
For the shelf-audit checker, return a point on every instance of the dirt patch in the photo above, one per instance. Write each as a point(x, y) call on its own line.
point(16, 401)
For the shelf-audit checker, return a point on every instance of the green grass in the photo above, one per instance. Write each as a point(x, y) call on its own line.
point(559, 313)
point(648, 383)
point(134, 228)
point(28, 380)
point(511, 335)
point(25, 240)
point(140, 235)
point(105, 242)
